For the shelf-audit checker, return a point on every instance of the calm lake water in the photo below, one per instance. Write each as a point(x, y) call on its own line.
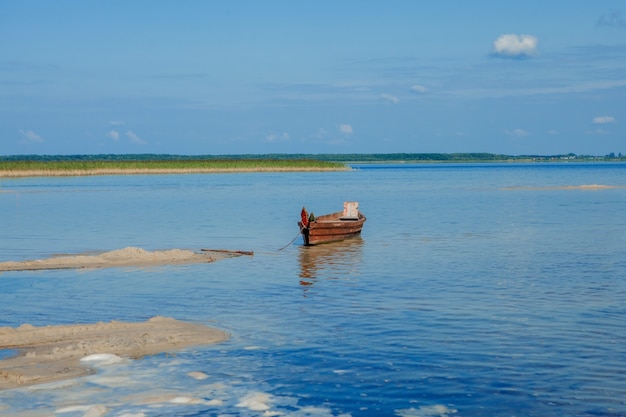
point(475, 290)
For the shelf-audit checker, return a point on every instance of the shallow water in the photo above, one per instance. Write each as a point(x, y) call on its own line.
point(475, 290)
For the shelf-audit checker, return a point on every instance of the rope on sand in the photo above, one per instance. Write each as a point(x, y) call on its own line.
point(235, 252)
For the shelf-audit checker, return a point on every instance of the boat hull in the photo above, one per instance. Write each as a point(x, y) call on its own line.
point(331, 228)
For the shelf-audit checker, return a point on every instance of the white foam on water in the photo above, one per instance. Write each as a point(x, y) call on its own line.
point(252, 348)
point(197, 375)
point(317, 412)
point(187, 400)
point(426, 411)
point(112, 381)
point(72, 409)
point(102, 359)
point(97, 410)
point(341, 371)
point(255, 401)
point(215, 403)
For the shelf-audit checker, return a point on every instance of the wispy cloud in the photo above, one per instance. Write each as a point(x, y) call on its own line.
point(613, 19)
point(114, 134)
point(418, 89)
point(277, 137)
point(134, 138)
point(515, 46)
point(391, 99)
point(345, 129)
point(518, 133)
point(579, 88)
point(602, 120)
point(116, 123)
point(582, 87)
point(598, 131)
point(333, 139)
point(28, 136)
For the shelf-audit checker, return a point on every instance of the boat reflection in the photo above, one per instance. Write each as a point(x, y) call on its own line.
point(330, 260)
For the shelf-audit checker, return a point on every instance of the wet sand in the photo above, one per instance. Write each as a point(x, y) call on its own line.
point(590, 187)
point(53, 353)
point(127, 257)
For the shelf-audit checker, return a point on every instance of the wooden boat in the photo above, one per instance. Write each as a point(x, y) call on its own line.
point(331, 227)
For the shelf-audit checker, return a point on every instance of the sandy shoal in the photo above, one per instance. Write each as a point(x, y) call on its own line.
point(591, 187)
point(52, 353)
point(158, 171)
point(130, 256)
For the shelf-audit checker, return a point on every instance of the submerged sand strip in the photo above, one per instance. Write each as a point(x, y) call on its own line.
point(130, 256)
point(53, 353)
point(568, 187)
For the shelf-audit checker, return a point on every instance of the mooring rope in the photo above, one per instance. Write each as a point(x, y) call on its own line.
point(292, 240)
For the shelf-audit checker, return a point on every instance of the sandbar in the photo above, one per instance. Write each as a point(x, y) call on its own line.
point(52, 353)
point(591, 187)
point(127, 257)
point(9, 173)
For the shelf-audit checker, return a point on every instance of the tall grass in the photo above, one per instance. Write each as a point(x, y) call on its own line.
point(23, 168)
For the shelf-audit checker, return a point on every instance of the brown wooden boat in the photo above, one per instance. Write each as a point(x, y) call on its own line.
point(331, 227)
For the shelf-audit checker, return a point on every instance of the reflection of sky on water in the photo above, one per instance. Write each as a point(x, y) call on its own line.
point(330, 260)
point(461, 295)
point(7, 353)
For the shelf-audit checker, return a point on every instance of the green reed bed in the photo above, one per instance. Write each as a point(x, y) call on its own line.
point(22, 168)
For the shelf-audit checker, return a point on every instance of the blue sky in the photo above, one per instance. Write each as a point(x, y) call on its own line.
point(210, 77)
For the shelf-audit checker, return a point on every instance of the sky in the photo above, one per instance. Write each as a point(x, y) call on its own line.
point(256, 77)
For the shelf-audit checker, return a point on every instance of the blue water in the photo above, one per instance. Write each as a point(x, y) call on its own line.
point(475, 290)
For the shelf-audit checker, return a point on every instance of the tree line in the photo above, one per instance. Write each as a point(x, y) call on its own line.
point(331, 157)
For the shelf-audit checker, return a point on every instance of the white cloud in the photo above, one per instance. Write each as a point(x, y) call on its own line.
point(135, 139)
point(277, 137)
point(116, 123)
point(346, 129)
point(602, 120)
point(418, 89)
point(519, 133)
point(515, 46)
point(114, 134)
point(30, 136)
point(390, 98)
